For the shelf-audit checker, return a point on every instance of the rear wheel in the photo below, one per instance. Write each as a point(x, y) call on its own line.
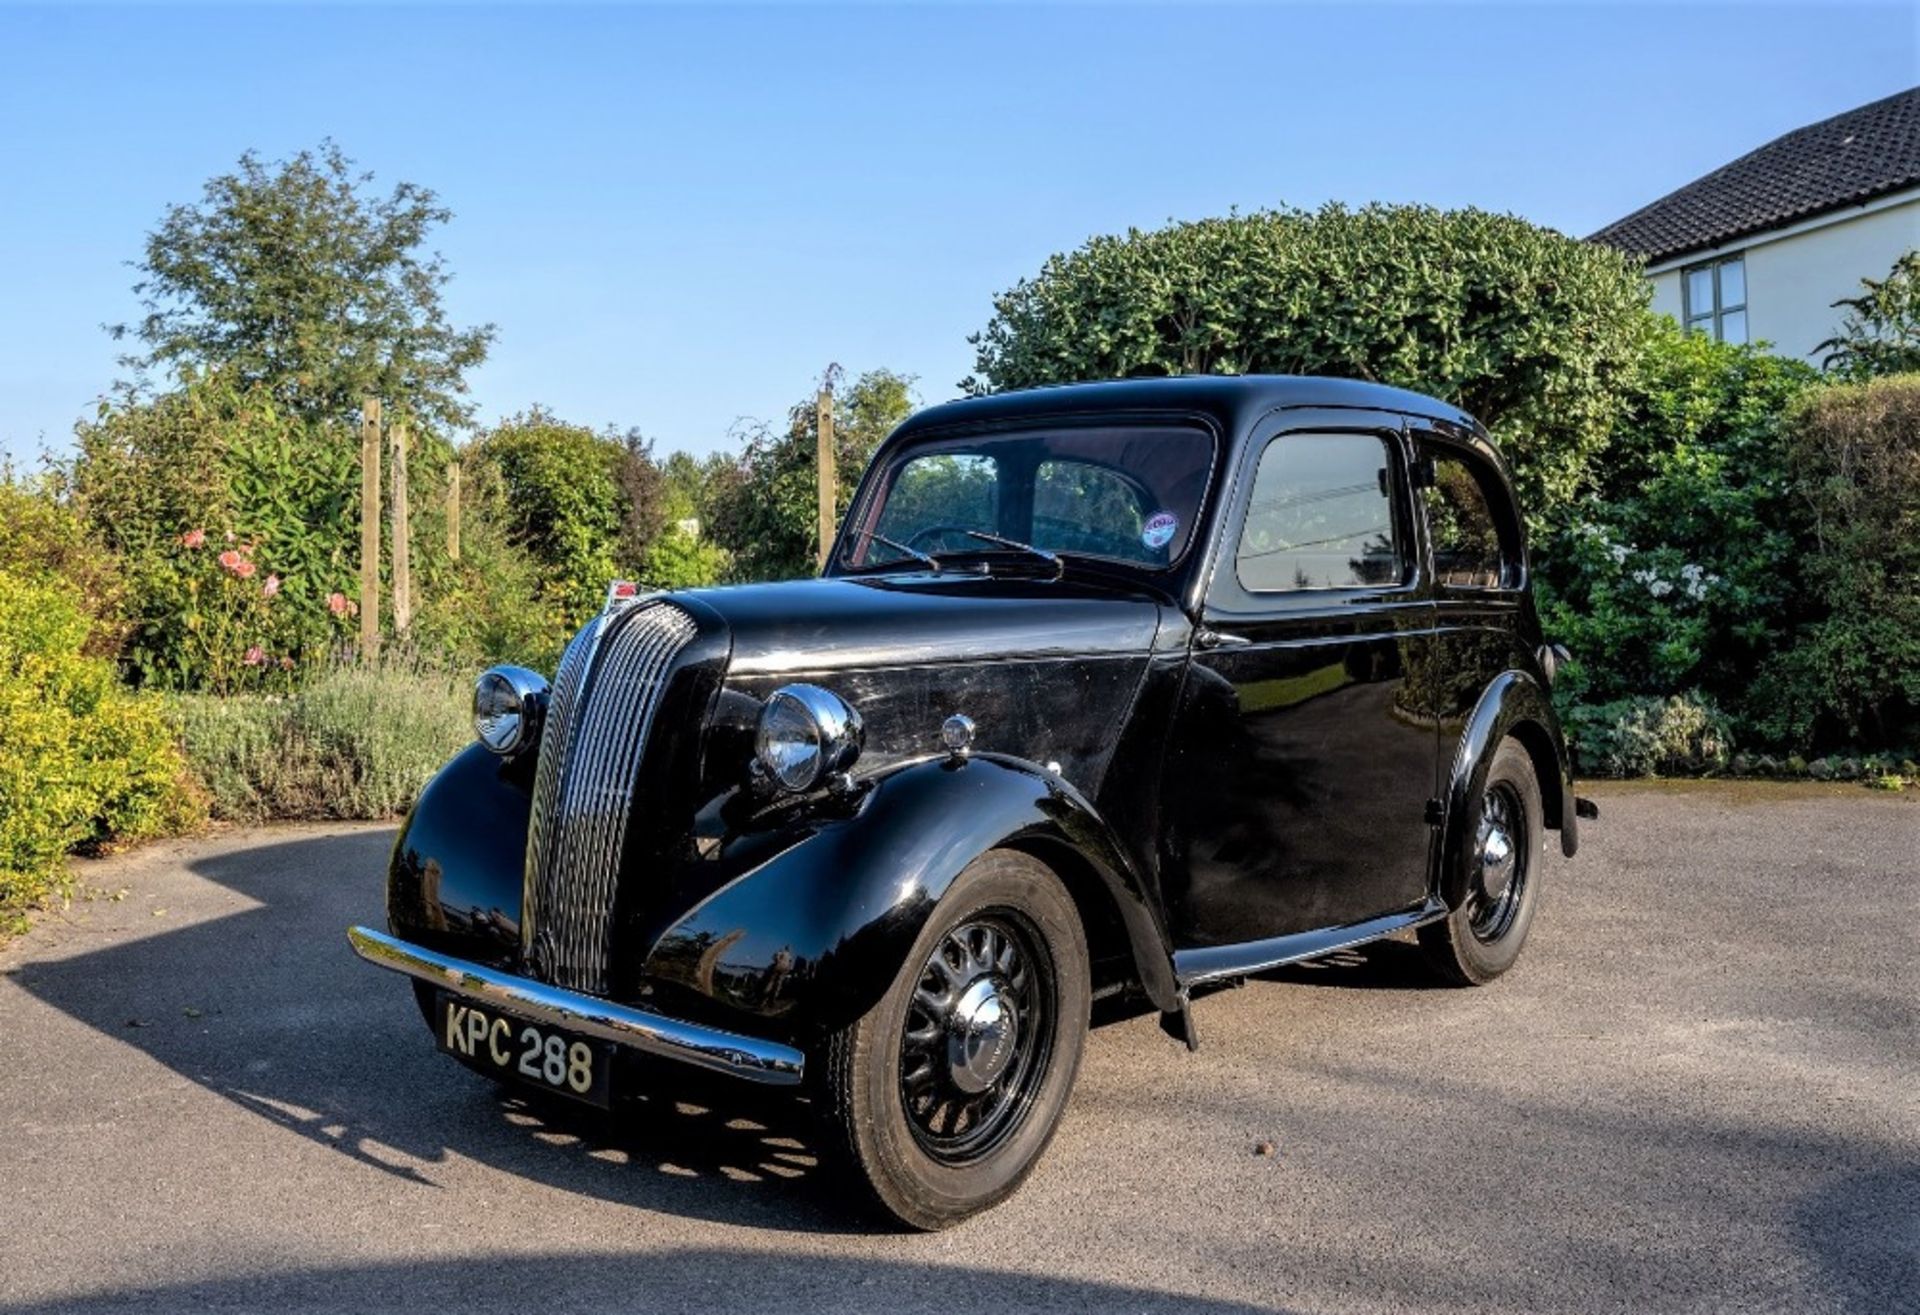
point(1482, 938)
point(944, 1095)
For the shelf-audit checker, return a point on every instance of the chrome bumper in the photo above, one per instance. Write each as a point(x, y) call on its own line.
point(656, 1034)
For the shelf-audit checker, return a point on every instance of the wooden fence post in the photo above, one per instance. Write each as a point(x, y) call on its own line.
point(453, 510)
point(402, 538)
point(369, 528)
point(825, 474)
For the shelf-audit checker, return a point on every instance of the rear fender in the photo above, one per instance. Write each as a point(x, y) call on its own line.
point(811, 937)
point(1513, 704)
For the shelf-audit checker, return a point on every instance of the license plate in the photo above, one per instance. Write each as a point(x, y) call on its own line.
point(527, 1052)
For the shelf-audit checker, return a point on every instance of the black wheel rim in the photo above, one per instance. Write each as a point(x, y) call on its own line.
point(978, 1035)
point(1501, 861)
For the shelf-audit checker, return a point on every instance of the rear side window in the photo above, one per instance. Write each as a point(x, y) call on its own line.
point(1321, 516)
point(1467, 548)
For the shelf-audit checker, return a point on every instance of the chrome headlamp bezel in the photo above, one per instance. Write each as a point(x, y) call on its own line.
point(805, 735)
point(508, 703)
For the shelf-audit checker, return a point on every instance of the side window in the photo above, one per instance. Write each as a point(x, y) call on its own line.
point(1321, 516)
point(1467, 551)
point(1085, 508)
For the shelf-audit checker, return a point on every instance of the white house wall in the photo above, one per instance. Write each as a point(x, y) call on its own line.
point(1666, 293)
point(1794, 277)
point(1792, 283)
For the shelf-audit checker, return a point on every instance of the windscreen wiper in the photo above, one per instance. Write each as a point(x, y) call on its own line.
point(927, 560)
point(1051, 559)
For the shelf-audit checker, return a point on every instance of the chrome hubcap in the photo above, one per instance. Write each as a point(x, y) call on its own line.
point(981, 1036)
point(1496, 860)
point(977, 1036)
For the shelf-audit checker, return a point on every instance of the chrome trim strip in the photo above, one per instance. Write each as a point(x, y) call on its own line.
point(556, 747)
point(705, 1047)
point(1210, 963)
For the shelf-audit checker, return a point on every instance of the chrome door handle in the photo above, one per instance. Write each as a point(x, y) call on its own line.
point(1207, 637)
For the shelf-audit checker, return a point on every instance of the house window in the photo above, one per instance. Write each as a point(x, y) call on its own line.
point(1716, 298)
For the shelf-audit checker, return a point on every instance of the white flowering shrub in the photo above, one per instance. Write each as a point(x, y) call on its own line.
point(1679, 574)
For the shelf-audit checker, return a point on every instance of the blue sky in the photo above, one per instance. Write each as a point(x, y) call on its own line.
point(678, 216)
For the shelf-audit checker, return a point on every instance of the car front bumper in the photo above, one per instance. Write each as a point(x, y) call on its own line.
point(704, 1047)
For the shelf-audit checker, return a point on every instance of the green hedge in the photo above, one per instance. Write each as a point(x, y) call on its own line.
point(1850, 673)
point(82, 759)
point(1530, 330)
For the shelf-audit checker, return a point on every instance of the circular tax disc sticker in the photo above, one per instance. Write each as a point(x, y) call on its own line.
point(1159, 530)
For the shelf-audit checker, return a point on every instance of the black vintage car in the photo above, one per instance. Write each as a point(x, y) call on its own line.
point(1124, 688)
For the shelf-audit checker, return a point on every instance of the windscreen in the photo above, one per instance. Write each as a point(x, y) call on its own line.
point(1127, 495)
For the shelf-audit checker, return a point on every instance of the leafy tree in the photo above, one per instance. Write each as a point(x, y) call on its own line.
point(1534, 333)
point(767, 516)
point(561, 500)
point(299, 278)
point(695, 485)
point(681, 555)
point(1881, 332)
point(680, 558)
point(589, 507)
point(643, 497)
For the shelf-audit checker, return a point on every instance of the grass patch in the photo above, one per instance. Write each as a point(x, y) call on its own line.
point(355, 744)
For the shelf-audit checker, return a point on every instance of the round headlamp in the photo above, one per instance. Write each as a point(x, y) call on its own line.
point(507, 703)
point(806, 734)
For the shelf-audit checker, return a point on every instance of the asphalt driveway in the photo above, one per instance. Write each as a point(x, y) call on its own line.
point(1699, 1091)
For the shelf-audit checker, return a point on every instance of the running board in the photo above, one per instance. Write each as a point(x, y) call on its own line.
point(1211, 963)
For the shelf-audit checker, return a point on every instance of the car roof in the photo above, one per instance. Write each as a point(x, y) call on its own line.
point(1234, 400)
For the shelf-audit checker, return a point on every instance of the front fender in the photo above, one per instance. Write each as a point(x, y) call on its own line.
point(1515, 704)
point(810, 938)
point(457, 874)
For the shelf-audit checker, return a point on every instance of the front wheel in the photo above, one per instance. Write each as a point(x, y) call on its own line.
point(943, 1096)
point(1482, 938)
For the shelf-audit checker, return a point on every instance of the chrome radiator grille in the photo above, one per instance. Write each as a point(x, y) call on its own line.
point(598, 719)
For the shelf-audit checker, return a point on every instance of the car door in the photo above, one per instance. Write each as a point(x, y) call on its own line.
point(1303, 763)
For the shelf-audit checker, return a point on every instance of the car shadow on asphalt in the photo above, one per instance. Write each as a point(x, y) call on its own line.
point(1388, 965)
point(269, 1008)
point(712, 1282)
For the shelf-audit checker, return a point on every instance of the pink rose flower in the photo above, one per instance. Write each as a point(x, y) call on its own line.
point(230, 560)
point(245, 569)
point(271, 587)
point(194, 538)
point(255, 656)
point(337, 603)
